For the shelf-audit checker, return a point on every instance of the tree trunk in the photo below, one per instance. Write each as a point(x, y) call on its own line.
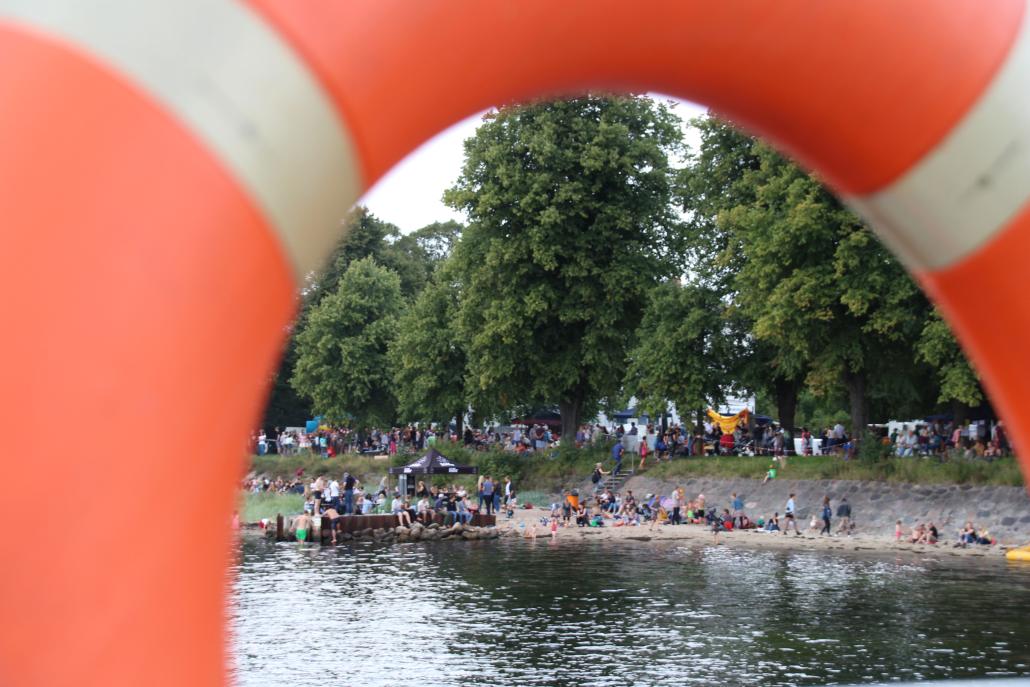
point(570, 414)
point(787, 401)
point(855, 381)
point(959, 412)
point(459, 423)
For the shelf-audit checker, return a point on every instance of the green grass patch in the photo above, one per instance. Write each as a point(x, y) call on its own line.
point(266, 505)
point(537, 474)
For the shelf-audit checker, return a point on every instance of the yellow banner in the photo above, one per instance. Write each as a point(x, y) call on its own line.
point(728, 423)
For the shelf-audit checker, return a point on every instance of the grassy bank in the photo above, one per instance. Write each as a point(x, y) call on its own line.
point(546, 473)
point(258, 506)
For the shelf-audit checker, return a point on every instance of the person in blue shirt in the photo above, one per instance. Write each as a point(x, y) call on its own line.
point(488, 495)
point(617, 450)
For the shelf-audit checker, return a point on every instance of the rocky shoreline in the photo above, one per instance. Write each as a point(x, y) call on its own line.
point(399, 534)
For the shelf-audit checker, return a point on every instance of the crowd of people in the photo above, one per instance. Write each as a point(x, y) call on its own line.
point(325, 496)
point(969, 439)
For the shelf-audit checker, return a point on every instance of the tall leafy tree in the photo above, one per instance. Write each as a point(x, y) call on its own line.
point(427, 357)
point(958, 380)
point(342, 363)
point(571, 223)
point(818, 286)
point(720, 176)
point(685, 353)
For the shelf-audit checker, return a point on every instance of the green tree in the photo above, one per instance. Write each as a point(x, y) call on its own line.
point(684, 353)
point(437, 240)
point(342, 361)
point(957, 379)
point(570, 225)
point(427, 357)
point(718, 178)
point(818, 286)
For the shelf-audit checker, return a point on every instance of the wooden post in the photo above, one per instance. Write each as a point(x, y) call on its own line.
point(279, 528)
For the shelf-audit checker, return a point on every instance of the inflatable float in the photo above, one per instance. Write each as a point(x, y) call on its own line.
point(170, 172)
point(1020, 554)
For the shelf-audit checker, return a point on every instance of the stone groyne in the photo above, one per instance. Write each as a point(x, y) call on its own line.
point(1004, 511)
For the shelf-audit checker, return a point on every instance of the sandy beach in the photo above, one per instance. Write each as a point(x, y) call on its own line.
point(525, 518)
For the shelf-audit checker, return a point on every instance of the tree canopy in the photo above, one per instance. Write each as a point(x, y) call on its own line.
point(342, 350)
point(570, 224)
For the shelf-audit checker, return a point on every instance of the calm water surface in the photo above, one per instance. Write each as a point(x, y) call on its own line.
point(618, 613)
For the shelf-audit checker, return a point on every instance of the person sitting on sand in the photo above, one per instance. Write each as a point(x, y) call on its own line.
point(918, 532)
point(582, 519)
point(967, 535)
point(773, 525)
point(813, 524)
point(628, 509)
point(932, 535)
point(301, 525)
point(530, 532)
point(770, 474)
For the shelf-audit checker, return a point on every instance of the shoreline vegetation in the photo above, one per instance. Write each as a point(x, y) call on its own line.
point(548, 472)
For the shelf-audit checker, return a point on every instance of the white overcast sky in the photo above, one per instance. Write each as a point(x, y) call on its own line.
point(410, 196)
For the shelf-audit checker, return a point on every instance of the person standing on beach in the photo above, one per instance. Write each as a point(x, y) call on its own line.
point(488, 494)
point(738, 510)
point(790, 517)
point(679, 505)
point(844, 513)
point(827, 513)
point(507, 490)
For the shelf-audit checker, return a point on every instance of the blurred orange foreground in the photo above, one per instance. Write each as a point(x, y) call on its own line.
point(170, 171)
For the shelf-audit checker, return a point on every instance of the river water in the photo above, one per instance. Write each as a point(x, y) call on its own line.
point(618, 613)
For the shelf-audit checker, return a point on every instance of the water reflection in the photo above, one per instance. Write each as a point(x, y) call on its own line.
point(613, 613)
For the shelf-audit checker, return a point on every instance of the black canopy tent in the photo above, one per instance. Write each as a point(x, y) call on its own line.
point(434, 463)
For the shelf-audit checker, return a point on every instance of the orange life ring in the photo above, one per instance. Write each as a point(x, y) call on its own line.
point(170, 170)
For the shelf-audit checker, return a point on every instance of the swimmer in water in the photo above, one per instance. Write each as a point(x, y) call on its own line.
point(301, 526)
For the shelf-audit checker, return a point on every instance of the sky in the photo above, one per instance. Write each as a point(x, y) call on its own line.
point(410, 194)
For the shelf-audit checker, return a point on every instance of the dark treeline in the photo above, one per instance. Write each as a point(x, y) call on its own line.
point(601, 262)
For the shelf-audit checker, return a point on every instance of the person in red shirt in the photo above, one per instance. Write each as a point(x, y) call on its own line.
point(726, 444)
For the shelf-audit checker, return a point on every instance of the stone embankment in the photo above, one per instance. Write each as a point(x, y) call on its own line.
point(876, 506)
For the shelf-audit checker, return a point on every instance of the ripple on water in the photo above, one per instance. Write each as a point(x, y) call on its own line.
point(604, 613)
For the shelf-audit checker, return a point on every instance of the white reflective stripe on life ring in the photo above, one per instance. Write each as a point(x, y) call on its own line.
point(240, 88)
point(971, 185)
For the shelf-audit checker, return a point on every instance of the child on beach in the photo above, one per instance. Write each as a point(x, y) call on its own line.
point(897, 531)
point(511, 505)
point(554, 527)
